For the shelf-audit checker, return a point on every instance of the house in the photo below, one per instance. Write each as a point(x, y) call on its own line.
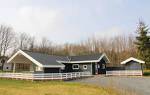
point(26, 61)
point(4, 65)
point(132, 64)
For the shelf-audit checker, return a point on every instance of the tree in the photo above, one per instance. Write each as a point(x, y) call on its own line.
point(141, 41)
point(7, 38)
point(25, 41)
point(45, 46)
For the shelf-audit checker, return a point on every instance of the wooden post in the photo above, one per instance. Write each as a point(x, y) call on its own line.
point(14, 67)
point(96, 68)
point(141, 68)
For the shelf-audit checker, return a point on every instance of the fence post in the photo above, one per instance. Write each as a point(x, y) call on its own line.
point(71, 75)
point(61, 76)
point(52, 76)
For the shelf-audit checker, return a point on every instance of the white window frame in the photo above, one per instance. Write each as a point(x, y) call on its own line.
point(75, 68)
point(85, 67)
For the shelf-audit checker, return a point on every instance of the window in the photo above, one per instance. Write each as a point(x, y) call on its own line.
point(7, 68)
point(38, 68)
point(103, 66)
point(84, 67)
point(22, 67)
point(75, 66)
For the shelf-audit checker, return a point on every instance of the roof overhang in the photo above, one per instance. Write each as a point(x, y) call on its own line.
point(132, 59)
point(33, 60)
point(88, 61)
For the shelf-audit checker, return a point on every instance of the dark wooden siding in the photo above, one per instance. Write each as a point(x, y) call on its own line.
point(68, 67)
point(132, 65)
point(51, 70)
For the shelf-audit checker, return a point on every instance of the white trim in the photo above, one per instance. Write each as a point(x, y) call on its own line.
point(27, 56)
point(53, 66)
point(103, 55)
point(91, 68)
point(75, 68)
point(134, 59)
point(78, 61)
point(84, 67)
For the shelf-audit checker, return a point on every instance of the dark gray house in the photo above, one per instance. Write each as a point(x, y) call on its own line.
point(129, 67)
point(25, 61)
point(132, 64)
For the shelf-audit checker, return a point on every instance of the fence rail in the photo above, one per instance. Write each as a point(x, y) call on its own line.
point(125, 73)
point(45, 76)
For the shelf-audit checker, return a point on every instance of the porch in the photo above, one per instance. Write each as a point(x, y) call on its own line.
point(21, 64)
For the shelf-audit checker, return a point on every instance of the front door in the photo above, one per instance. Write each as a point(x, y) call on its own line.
point(101, 68)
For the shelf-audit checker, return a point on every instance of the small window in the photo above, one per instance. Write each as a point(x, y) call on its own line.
point(7, 68)
point(38, 68)
point(103, 66)
point(84, 67)
point(75, 66)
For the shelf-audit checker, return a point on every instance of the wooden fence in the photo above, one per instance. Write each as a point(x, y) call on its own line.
point(45, 76)
point(125, 73)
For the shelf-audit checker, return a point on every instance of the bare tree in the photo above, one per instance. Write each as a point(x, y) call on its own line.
point(7, 37)
point(25, 41)
point(45, 46)
point(6, 40)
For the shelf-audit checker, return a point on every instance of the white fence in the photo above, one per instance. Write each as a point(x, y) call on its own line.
point(45, 76)
point(125, 73)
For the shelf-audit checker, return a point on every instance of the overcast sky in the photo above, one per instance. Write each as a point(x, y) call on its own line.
point(74, 20)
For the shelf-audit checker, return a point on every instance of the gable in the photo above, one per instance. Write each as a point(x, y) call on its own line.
point(132, 59)
point(39, 59)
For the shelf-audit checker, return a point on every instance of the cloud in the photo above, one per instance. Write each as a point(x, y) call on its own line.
point(109, 33)
point(64, 21)
point(36, 21)
point(42, 22)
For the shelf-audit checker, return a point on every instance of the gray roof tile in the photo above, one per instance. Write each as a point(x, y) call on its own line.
point(46, 59)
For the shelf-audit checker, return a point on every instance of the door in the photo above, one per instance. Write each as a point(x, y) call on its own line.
point(101, 68)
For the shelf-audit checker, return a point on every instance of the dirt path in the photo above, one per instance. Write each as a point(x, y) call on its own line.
point(139, 85)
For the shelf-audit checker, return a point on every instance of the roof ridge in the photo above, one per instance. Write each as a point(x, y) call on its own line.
point(68, 57)
point(44, 53)
point(86, 55)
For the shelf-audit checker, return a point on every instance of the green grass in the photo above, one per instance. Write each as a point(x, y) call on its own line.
point(21, 87)
point(146, 73)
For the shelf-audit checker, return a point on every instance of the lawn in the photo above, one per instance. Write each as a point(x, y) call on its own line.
point(146, 73)
point(20, 87)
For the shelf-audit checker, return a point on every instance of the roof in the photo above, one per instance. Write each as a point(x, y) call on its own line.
point(132, 59)
point(85, 57)
point(45, 60)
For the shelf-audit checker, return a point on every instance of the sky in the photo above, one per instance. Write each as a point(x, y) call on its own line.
point(69, 21)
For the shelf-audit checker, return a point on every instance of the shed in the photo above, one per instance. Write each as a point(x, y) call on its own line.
point(133, 64)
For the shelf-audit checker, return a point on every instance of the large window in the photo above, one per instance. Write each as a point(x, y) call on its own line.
point(75, 66)
point(22, 67)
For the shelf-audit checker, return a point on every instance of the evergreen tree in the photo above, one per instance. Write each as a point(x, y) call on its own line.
point(141, 42)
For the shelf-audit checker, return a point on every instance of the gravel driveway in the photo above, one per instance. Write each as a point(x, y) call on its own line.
point(138, 85)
